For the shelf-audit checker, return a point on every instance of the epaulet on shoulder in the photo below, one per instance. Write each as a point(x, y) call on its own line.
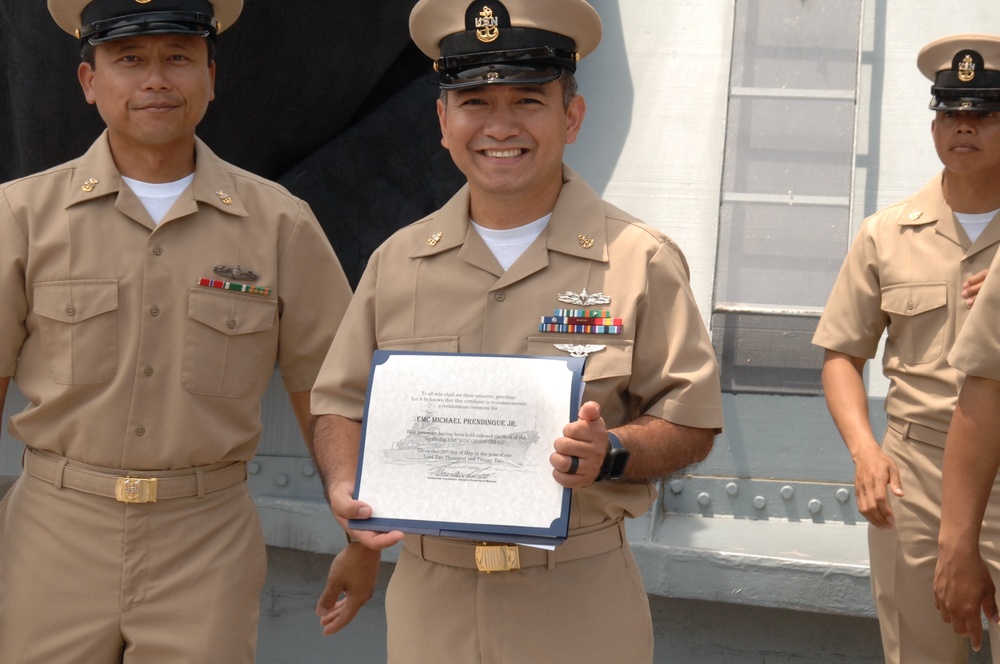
point(617, 214)
point(67, 166)
point(890, 213)
point(238, 173)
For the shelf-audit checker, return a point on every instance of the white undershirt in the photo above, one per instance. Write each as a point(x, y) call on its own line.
point(508, 245)
point(157, 198)
point(974, 224)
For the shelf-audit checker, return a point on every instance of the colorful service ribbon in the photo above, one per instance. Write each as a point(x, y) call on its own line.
point(581, 321)
point(228, 285)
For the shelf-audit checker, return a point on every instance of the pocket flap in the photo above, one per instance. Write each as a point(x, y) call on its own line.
point(231, 314)
point(913, 299)
point(446, 344)
point(615, 359)
point(75, 301)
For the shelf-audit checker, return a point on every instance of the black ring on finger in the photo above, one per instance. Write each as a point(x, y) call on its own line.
point(574, 463)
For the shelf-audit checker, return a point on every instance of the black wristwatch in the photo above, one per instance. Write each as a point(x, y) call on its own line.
point(614, 461)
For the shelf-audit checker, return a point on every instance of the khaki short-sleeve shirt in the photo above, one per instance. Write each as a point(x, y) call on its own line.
point(436, 286)
point(127, 359)
point(903, 275)
point(977, 350)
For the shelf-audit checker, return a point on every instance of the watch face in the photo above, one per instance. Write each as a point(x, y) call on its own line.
point(616, 459)
point(619, 459)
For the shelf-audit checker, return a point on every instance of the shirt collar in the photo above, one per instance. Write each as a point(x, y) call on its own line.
point(577, 228)
point(96, 175)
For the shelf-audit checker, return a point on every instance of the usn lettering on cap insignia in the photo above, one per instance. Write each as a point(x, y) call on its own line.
point(966, 69)
point(487, 26)
point(88, 186)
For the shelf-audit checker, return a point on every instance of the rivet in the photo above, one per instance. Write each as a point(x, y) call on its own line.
point(676, 486)
point(253, 467)
point(732, 489)
point(308, 470)
point(759, 502)
point(843, 495)
point(281, 479)
point(815, 506)
point(704, 499)
point(787, 492)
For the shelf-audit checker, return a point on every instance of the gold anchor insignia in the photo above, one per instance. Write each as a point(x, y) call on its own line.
point(966, 69)
point(488, 26)
point(585, 241)
point(915, 215)
point(223, 196)
point(88, 186)
point(434, 239)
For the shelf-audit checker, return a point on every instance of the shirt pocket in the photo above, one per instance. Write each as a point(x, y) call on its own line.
point(78, 322)
point(444, 344)
point(230, 345)
point(611, 363)
point(918, 316)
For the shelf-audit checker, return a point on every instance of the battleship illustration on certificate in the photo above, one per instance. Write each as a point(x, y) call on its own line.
point(474, 456)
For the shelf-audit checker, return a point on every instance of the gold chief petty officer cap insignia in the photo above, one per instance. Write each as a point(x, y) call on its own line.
point(97, 21)
point(965, 71)
point(524, 42)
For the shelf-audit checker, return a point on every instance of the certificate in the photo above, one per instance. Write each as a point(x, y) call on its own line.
point(458, 445)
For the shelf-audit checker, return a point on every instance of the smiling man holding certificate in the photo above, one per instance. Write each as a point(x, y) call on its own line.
point(525, 260)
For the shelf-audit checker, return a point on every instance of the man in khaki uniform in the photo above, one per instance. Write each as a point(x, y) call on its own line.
point(478, 276)
point(149, 288)
point(963, 587)
point(913, 271)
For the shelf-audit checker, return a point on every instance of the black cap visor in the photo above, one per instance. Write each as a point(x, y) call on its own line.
point(149, 23)
point(965, 100)
point(500, 74)
point(524, 66)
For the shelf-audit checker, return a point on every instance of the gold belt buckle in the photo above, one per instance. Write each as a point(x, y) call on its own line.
point(497, 558)
point(135, 490)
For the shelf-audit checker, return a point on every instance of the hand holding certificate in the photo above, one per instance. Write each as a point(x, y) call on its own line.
point(459, 445)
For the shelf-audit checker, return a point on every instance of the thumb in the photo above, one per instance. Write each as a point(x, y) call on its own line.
point(895, 485)
point(590, 412)
point(361, 510)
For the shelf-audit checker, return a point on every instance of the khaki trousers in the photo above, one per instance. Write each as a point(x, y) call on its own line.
point(903, 561)
point(85, 579)
point(591, 610)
